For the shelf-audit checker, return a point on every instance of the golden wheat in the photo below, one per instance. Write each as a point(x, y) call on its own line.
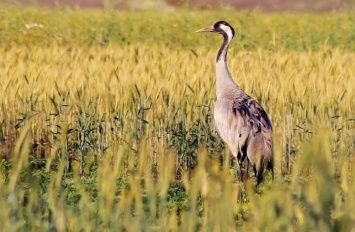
point(120, 137)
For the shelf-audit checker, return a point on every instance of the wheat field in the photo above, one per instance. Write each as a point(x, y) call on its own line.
point(106, 121)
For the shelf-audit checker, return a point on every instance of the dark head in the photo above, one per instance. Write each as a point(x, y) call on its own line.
point(223, 28)
point(220, 27)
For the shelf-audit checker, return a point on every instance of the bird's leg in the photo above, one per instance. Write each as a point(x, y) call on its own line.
point(238, 167)
point(239, 177)
point(255, 172)
point(241, 171)
point(258, 175)
point(238, 170)
point(244, 170)
point(247, 171)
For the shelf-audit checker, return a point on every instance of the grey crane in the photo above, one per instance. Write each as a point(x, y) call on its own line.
point(240, 120)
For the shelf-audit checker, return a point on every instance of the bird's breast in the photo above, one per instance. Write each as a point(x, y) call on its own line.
point(224, 123)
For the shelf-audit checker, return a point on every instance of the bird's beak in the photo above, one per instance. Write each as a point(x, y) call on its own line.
point(207, 29)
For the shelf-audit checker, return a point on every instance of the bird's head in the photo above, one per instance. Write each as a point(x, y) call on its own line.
point(220, 27)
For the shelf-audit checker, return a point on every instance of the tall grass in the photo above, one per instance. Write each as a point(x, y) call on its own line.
point(106, 122)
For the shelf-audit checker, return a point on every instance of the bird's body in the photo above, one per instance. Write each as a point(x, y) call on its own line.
point(240, 120)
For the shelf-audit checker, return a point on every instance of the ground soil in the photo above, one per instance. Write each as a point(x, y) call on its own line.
point(265, 5)
point(273, 5)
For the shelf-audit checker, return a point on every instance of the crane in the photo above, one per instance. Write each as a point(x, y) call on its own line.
point(240, 121)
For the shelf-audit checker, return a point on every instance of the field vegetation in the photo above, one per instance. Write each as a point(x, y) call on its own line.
point(106, 121)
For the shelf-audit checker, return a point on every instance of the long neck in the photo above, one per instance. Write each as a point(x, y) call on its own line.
point(226, 87)
point(222, 53)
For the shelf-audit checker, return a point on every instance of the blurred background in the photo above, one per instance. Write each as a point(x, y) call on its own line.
point(268, 6)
